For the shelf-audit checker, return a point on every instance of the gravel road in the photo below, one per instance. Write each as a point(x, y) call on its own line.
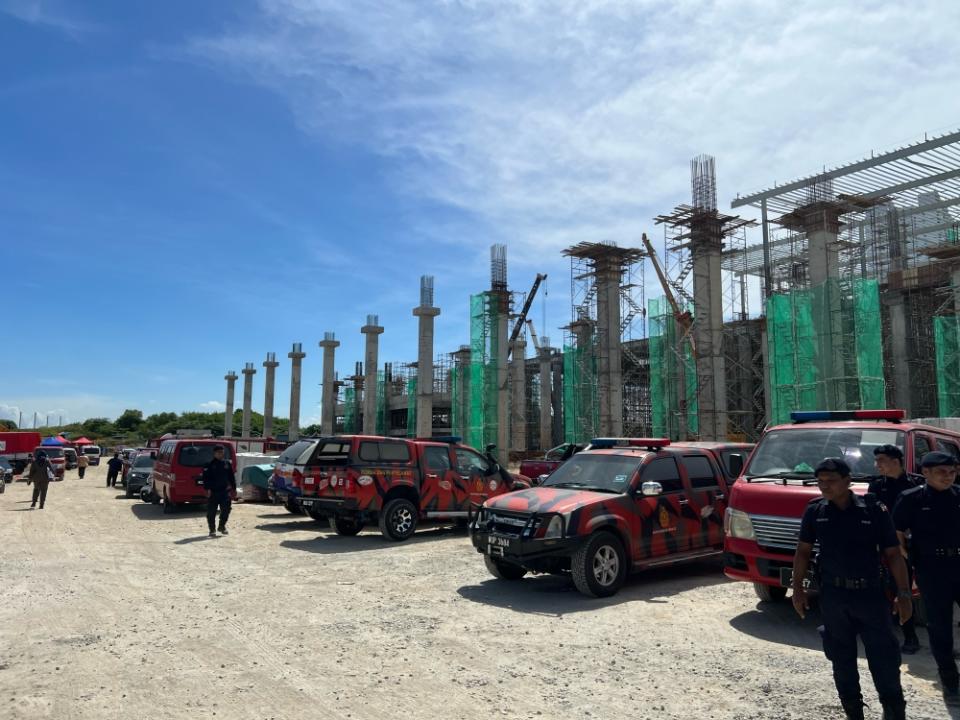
point(110, 609)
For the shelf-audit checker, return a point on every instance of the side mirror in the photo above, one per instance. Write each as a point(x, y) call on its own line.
point(651, 489)
point(541, 478)
point(491, 447)
point(736, 465)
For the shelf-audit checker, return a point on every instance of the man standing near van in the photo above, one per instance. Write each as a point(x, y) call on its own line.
point(82, 462)
point(221, 486)
point(114, 466)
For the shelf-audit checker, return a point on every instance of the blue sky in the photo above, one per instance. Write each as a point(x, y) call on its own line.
point(185, 186)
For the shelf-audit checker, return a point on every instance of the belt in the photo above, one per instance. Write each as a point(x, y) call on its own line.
point(852, 583)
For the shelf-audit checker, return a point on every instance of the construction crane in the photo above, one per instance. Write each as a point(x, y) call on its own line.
point(533, 335)
point(683, 318)
point(521, 319)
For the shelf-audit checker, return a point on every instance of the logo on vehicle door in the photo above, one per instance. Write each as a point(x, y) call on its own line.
point(664, 517)
point(478, 486)
point(445, 484)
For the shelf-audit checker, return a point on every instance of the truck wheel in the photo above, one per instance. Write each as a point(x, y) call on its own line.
point(769, 593)
point(503, 570)
point(347, 526)
point(292, 507)
point(599, 567)
point(398, 519)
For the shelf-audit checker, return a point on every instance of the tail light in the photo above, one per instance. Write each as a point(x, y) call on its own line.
point(297, 478)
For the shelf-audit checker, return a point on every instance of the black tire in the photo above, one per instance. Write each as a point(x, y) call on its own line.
point(770, 593)
point(145, 496)
point(347, 526)
point(293, 507)
point(599, 567)
point(398, 520)
point(503, 570)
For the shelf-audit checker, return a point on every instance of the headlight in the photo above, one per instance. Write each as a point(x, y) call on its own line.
point(554, 528)
point(737, 524)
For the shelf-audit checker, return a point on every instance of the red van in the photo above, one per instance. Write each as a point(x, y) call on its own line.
point(178, 469)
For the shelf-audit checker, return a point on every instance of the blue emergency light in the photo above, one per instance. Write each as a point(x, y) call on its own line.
point(610, 442)
point(807, 416)
point(451, 439)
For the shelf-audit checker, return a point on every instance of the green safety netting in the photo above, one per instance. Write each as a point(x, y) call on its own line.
point(673, 382)
point(946, 339)
point(381, 403)
point(482, 422)
point(350, 411)
point(581, 412)
point(825, 350)
point(412, 407)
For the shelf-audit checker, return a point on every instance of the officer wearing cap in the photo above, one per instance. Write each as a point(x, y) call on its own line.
point(930, 516)
point(853, 533)
point(221, 486)
point(891, 481)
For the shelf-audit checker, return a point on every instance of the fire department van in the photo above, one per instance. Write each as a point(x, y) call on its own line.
point(763, 517)
point(395, 483)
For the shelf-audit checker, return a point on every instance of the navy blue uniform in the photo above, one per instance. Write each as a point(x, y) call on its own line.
point(852, 599)
point(932, 517)
point(219, 479)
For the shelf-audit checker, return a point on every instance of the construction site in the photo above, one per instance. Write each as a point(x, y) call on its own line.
point(835, 291)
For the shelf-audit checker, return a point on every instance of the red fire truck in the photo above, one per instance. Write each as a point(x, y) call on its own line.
point(762, 520)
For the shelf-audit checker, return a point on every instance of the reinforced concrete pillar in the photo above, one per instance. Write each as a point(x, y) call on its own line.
point(545, 356)
point(372, 330)
point(461, 414)
point(609, 352)
point(270, 367)
point(902, 395)
point(583, 410)
point(328, 398)
point(231, 378)
point(518, 401)
point(708, 336)
point(503, 395)
point(822, 227)
point(248, 372)
point(296, 359)
point(426, 314)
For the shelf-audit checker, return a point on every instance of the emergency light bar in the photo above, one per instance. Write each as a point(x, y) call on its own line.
point(606, 443)
point(805, 416)
point(451, 439)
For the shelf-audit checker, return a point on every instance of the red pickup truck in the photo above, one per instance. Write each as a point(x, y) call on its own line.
point(537, 468)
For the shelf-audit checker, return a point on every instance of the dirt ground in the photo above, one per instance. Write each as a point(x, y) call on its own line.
point(110, 609)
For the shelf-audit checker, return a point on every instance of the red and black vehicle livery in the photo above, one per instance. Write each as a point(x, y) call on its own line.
point(622, 504)
point(356, 480)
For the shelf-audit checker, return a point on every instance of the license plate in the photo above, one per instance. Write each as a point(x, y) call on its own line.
point(786, 577)
point(307, 503)
point(496, 544)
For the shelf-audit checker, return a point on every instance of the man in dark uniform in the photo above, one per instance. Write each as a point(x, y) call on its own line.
point(891, 481)
point(114, 466)
point(853, 532)
point(221, 486)
point(930, 517)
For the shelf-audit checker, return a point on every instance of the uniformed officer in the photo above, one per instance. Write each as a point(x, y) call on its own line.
point(853, 532)
point(930, 516)
point(891, 481)
point(221, 486)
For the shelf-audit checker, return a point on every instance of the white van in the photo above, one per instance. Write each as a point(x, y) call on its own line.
point(92, 452)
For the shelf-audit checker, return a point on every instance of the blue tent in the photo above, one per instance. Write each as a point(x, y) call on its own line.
point(48, 441)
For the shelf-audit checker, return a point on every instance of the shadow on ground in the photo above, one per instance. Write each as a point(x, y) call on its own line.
point(145, 511)
point(330, 543)
point(555, 595)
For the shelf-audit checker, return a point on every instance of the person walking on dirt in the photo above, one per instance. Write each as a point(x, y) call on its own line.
point(41, 473)
point(114, 466)
point(853, 533)
point(221, 486)
point(82, 462)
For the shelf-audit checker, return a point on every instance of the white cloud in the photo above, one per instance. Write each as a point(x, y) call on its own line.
point(49, 13)
point(212, 406)
point(557, 121)
point(9, 412)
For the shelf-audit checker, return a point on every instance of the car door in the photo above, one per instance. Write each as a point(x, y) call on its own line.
point(921, 446)
point(442, 489)
point(663, 531)
point(708, 499)
point(474, 471)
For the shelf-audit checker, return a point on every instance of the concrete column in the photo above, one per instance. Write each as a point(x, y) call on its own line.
point(426, 314)
point(545, 356)
point(296, 358)
point(328, 401)
point(503, 395)
point(902, 395)
point(518, 400)
point(584, 410)
point(270, 367)
point(231, 378)
point(708, 334)
point(461, 416)
point(955, 281)
point(372, 330)
point(609, 352)
point(248, 372)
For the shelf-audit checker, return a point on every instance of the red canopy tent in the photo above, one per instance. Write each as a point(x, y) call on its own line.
point(84, 441)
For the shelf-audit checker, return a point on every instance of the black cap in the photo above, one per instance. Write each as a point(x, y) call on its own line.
point(937, 459)
point(218, 447)
point(891, 451)
point(838, 465)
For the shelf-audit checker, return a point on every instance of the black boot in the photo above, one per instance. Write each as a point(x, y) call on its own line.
point(853, 709)
point(895, 712)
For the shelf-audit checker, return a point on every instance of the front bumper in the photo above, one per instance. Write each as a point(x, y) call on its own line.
point(328, 505)
point(746, 561)
point(528, 552)
point(136, 484)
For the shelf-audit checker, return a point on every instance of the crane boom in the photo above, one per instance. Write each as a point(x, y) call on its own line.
point(533, 334)
point(683, 318)
point(523, 312)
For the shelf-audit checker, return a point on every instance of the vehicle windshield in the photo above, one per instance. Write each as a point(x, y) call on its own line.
point(52, 452)
point(143, 461)
point(91, 451)
point(606, 473)
point(199, 455)
point(795, 453)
